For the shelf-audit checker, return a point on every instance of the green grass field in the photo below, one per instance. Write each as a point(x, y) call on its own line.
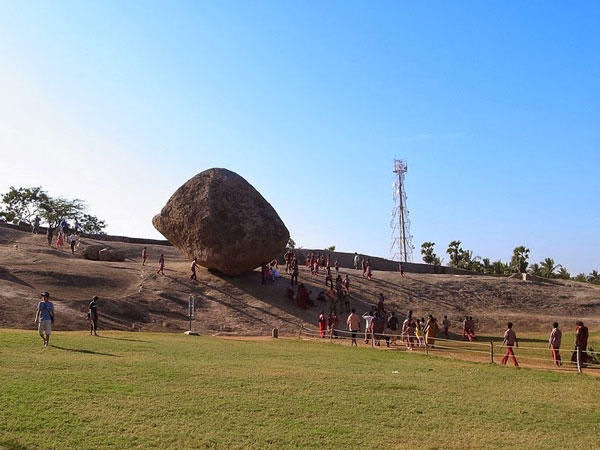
point(139, 390)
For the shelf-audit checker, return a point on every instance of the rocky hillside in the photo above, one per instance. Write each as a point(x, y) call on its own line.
point(136, 297)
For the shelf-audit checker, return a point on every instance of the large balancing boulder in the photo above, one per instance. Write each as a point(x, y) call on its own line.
point(219, 218)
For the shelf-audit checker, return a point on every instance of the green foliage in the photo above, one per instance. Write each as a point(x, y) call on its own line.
point(535, 269)
point(455, 252)
point(429, 256)
point(500, 268)
point(548, 268)
point(23, 204)
point(291, 243)
point(91, 224)
point(594, 277)
point(463, 259)
point(563, 273)
point(56, 209)
point(519, 260)
point(581, 277)
point(331, 248)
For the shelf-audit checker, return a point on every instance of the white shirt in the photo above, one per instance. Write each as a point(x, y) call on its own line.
point(368, 319)
point(73, 238)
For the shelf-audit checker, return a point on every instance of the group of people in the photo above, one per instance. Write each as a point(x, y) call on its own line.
point(65, 234)
point(554, 343)
point(378, 326)
point(45, 314)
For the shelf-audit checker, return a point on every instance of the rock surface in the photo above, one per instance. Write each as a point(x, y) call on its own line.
point(110, 255)
point(219, 218)
point(92, 252)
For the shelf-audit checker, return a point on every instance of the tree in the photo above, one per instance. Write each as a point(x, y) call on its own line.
point(469, 262)
point(291, 243)
point(429, 257)
point(455, 253)
point(23, 204)
point(581, 277)
point(548, 268)
point(331, 248)
point(500, 268)
point(486, 266)
point(56, 209)
point(91, 224)
point(594, 277)
point(519, 260)
point(536, 269)
point(564, 274)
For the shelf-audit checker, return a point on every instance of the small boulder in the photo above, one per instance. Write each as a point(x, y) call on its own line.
point(110, 255)
point(92, 252)
point(219, 218)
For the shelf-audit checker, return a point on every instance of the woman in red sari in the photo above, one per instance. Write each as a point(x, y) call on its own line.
point(322, 324)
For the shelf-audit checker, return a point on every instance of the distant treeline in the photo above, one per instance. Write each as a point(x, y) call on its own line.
point(33, 205)
point(519, 263)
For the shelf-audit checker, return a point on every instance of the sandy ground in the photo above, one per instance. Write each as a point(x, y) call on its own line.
point(135, 297)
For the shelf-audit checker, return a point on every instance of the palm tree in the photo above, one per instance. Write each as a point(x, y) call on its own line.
point(454, 251)
point(519, 260)
point(548, 268)
point(594, 277)
point(429, 257)
point(500, 268)
point(486, 266)
point(564, 274)
point(581, 277)
point(536, 269)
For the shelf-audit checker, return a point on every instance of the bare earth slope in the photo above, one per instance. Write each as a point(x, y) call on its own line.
point(136, 297)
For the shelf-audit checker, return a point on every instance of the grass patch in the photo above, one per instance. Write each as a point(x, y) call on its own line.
point(142, 390)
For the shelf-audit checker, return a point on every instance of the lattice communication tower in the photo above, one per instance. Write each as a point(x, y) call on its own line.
point(401, 248)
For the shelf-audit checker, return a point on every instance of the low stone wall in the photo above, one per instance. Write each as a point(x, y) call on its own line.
point(98, 237)
point(347, 260)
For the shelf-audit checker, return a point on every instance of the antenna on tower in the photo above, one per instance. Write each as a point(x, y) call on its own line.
point(401, 248)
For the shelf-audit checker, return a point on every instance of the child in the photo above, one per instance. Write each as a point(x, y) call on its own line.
point(59, 242)
point(510, 339)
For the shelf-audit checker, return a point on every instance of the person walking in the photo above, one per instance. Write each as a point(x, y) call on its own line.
point(294, 278)
point(353, 325)
point(144, 255)
point(93, 315)
point(44, 318)
point(510, 340)
point(581, 340)
point(356, 261)
point(36, 225)
point(432, 329)
point(59, 242)
point(50, 234)
point(554, 344)
point(368, 316)
point(393, 323)
point(193, 268)
point(73, 242)
point(446, 325)
point(161, 264)
point(322, 324)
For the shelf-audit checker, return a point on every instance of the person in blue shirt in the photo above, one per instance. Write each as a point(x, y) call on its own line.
point(44, 317)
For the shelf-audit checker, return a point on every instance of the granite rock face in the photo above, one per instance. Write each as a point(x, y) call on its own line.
point(107, 254)
point(220, 219)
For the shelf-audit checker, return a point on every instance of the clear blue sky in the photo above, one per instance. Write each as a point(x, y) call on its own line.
point(495, 106)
